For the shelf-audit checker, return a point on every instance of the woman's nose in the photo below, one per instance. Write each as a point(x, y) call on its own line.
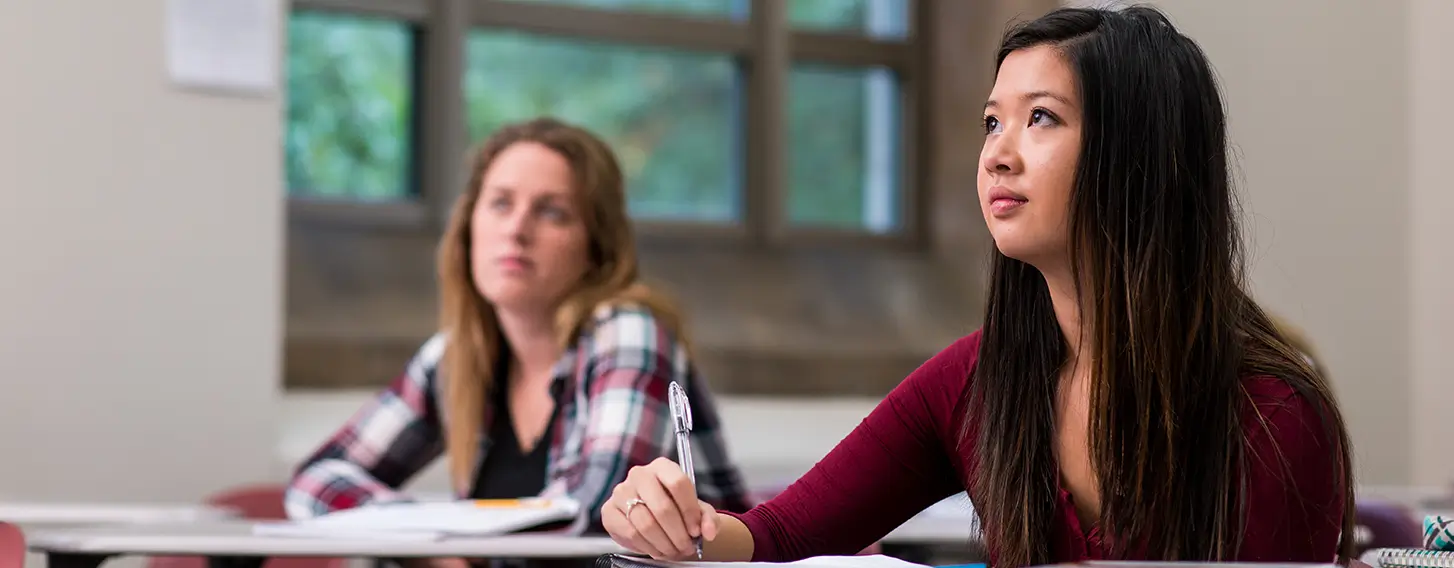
point(516, 225)
point(1002, 154)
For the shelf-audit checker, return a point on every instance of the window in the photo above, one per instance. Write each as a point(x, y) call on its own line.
point(842, 155)
point(350, 100)
point(670, 116)
point(732, 9)
point(887, 19)
point(774, 119)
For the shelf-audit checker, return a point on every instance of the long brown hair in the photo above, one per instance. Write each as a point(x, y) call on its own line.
point(1171, 331)
point(474, 342)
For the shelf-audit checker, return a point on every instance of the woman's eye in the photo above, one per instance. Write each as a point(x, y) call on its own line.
point(1038, 116)
point(499, 204)
point(553, 213)
point(991, 125)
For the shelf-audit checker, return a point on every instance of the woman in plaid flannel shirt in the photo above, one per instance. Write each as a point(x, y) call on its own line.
point(549, 341)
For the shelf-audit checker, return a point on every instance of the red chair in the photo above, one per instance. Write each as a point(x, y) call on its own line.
point(1389, 525)
point(12, 546)
point(252, 502)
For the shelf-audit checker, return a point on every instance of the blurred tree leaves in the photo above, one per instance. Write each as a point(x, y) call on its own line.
point(673, 117)
point(349, 101)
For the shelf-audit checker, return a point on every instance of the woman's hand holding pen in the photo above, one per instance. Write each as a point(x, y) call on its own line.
point(656, 512)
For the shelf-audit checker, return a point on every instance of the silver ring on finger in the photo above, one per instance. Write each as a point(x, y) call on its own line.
point(631, 503)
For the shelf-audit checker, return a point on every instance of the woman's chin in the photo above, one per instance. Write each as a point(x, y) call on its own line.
point(1020, 250)
point(1009, 245)
point(511, 296)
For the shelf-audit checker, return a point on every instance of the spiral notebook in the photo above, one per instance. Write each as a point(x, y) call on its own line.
point(1411, 558)
point(1438, 550)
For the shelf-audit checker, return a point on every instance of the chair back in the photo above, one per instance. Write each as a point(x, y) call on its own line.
point(263, 502)
point(1388, 524)
point(12, 546)
point(256, 502)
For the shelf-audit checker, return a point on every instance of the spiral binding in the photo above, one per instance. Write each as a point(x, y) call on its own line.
point(1415, 558)
point(626, 561)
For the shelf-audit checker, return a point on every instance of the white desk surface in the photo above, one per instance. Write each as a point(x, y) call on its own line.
point(949, 522)
point(952, 521)
point(932, 532)
point(40, 513)
point(235, 538)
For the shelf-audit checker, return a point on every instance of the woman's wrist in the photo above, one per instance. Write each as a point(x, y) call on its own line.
point(732, 544)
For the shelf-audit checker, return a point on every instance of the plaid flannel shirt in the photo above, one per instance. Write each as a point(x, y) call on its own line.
point(612, 414)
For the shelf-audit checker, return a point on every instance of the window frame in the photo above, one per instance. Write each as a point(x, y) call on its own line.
point(763, 44)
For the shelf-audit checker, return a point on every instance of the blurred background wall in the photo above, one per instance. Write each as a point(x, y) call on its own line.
point(141, 308)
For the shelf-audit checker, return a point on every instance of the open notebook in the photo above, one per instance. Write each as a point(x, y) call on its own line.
point(429, 521)
point(866, 561)
point(1438, 550)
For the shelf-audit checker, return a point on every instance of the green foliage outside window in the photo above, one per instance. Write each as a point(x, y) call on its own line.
point(675, 118)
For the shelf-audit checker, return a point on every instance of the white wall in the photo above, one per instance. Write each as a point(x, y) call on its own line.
point(1338, 115)
point(140, 234)
point(1432, 234)
point(753, 429)
point(1315, 93)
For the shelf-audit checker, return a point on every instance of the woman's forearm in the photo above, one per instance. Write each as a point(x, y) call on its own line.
point(733, 542)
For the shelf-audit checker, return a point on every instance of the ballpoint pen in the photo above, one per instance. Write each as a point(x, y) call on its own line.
point(681, 415)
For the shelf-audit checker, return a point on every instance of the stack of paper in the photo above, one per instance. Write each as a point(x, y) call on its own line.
point(428, 521)
point(865, 561)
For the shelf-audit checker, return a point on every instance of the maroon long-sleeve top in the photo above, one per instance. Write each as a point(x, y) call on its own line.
point(908, 454)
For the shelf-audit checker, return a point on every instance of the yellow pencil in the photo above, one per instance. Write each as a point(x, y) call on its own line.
point(512, 503)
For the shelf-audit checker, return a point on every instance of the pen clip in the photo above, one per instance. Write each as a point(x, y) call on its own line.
point(681, 412)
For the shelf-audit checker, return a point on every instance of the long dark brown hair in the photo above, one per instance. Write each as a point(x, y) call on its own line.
point(474, 336)
point(1172, 331)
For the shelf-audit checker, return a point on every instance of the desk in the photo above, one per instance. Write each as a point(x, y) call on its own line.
point(43, 514)
point(945, 533)
point(89, 547)
point(931, 532)
point(951, 521)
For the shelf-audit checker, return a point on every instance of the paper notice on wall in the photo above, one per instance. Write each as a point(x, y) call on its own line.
point(224, 45)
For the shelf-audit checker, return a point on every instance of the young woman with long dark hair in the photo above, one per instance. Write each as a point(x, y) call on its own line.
point(1126, 398)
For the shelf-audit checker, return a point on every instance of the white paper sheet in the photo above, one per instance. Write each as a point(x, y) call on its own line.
point(427, 521)
point(226, 45)
point(304, 530)
point(867, 561)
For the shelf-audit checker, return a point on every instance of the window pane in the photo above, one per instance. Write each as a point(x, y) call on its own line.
point(885, 19)
point(843, 144)
point(671, 116)
point(349, 105)
point(734, 9)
